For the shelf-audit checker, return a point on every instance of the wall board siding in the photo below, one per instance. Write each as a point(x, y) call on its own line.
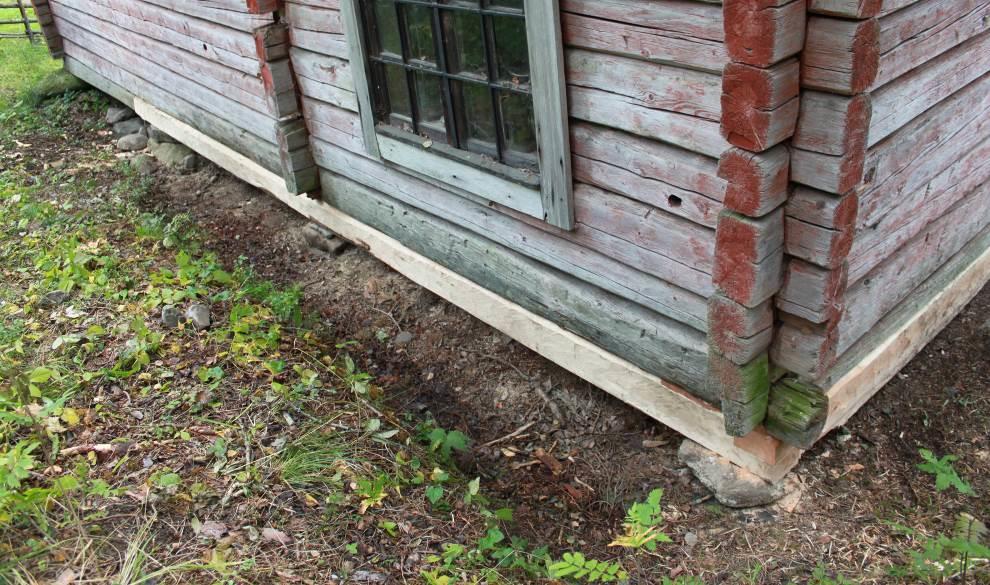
point(257, 123)
point(241, 87)
point(651, 283)
point(879, 199)
point(917, 209)
point(215, 42)
point(925, 31)
point(236, 20)
point(891, 282)
point(910, 95)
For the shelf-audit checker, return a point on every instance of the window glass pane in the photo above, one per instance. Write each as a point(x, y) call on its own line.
point(387, 23)
point(465, 43)
point(430, 104)
point(419, 22)
point(518, 127)
point(478, 118)
point(512, 49)
point(398, 93)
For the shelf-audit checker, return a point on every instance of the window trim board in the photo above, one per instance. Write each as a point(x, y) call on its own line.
point(553, 202)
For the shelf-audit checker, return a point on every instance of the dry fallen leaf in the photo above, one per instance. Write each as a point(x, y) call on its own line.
point(273, 535)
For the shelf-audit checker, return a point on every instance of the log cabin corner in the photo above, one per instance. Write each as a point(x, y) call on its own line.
point(740, 217)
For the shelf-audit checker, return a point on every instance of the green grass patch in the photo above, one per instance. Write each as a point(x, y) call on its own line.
point(24, 63)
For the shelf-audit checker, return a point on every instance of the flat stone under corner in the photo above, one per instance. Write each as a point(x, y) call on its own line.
point(732, 485)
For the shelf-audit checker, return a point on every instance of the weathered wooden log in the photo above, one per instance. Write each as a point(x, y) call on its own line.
point(811, 292)
point(738, 332)
point(749, 257)
point(743, 390)
point(760, 105)
point(757, 183)
point(796, 412)
point(840, 56)
point(764, 32)
point(857, 9)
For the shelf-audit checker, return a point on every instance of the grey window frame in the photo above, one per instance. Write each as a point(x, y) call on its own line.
point(548, 196)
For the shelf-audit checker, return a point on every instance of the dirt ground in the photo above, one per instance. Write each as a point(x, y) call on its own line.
point(477, 380)
point(472, 378)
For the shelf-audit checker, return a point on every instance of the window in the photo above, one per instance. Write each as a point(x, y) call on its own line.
point(469, 93)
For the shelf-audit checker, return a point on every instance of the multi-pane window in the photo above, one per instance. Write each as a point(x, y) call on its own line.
point(456, 72)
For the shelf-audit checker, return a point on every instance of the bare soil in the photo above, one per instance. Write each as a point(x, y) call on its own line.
point(473, 378)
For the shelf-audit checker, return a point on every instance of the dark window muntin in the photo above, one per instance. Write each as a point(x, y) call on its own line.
point(461, 146)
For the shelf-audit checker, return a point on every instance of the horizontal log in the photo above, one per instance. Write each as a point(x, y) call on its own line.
point(833, 124)
point(918, 138)
point(242, 21)
point(749, 258)
point(332, 44)
point(229, 47)
point(674, 180)
point(811, 292)
point(757, 183)
point(656, 86)
point(888, 284)
point(916, 208)
point(687, 18)
point(824, 209)
point(250, 120)
point(760, 105)
point(545, 244)
point(739, 333)
point(804, 348)
point(239, 86)
point(911, 182)
point(819, 245)
point(629, 114)
point(313, 18)
point(912, 48)
point(644, 42)
point(910, 95)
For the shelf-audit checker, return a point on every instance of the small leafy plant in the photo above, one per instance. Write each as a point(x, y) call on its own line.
point(642, 524)
point(576, 566)
point(945, 474)
point(946, 556)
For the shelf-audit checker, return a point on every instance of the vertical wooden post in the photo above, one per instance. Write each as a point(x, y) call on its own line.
point(27, 22)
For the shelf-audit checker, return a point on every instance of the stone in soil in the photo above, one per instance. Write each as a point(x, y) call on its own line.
point(54, 298)
point(132, 142)
point(199, 316)
point(132, 126)
point(403, 338)
point(56, 84)
point(732, 485)
point(170, 316)
point(322, 239)
point(159, 136)
point(119, 114)
point(170, 154)
point(144, 164)
point(190, 164)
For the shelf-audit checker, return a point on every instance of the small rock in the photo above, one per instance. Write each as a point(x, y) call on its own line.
point(170, 316)
point(690, 539)
point(169, 154)
point(137, 414)
point(54, 298)
point(57, 164)
point(190, 164)
point(159, 136)
point(403, 338)
point(199, 316)
point(732, 485)
point(119, 113)
point(144, 164)
point(132, 126)
point(132, 142)
point(322, 239)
